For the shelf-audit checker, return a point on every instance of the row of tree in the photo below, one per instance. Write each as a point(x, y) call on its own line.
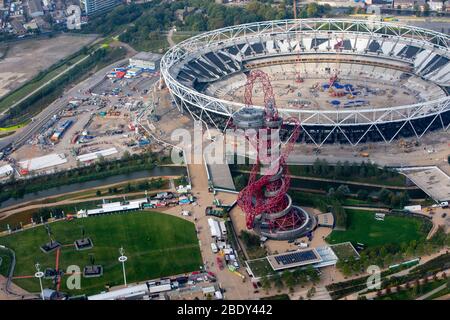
point(290, 279)
point(344, 170)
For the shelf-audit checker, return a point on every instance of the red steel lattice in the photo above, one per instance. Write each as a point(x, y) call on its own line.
point(253, 199)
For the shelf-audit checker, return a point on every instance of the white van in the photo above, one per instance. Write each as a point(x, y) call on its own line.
point(214, 247)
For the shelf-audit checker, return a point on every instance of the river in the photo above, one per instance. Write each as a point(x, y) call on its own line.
point(155, 172)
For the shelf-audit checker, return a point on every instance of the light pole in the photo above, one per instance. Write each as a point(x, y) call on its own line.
point(122, 259)
point(39, 274)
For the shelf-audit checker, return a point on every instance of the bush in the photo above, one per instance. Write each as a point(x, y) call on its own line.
point(250, 240)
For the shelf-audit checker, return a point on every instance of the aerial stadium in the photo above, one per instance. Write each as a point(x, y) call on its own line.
point(345, 81)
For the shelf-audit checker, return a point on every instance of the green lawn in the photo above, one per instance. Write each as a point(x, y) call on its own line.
point(363, 228)
point(260, 267)
point(156, 245)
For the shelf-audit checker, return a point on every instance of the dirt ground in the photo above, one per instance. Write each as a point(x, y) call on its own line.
point(286, 91)
point(24, 59)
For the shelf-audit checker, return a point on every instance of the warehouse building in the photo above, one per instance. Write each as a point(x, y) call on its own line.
point(145, 60)
point(35, 8)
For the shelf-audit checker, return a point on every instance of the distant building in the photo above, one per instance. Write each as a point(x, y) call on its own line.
point(18, 27)
point(408, 4)
point(145, 60)
point(93, 7)
point(32, 25)
point(436, 5)
point(181, 14)
point(35, 8)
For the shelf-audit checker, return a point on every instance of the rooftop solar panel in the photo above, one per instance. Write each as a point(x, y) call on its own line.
point(296, 257)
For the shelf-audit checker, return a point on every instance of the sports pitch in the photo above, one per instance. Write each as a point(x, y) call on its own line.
point(156, 245)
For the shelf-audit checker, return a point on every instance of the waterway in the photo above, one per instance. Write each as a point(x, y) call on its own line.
point(155, 172)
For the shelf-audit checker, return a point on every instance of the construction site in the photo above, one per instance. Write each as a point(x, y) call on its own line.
point(97, 119)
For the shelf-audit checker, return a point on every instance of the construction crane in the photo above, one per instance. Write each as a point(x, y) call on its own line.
point(298, 76)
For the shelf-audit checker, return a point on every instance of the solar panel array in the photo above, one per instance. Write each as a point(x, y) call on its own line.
point(296, 257)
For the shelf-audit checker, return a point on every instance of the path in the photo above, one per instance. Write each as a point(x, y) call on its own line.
point(372, 295)
point(234, 285)
point(169, 38)
point(429, 294)
point(424, 259)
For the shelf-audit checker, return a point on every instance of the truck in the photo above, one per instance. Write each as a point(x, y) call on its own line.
point(214, 247)
point(223, 228)
point(210, 211)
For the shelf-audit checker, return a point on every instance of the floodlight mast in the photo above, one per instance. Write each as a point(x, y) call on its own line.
point(39, 274)
point(122, 259)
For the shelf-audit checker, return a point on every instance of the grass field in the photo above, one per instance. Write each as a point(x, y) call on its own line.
point(156, 245)
point(365, 229)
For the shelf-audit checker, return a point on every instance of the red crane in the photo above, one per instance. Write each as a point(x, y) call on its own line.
point(267, 193)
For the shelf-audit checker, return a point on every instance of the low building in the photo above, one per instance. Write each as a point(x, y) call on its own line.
point(114, 207)
point(6, 171)
point(145, 60)
point(35, 8)
point(18, 27)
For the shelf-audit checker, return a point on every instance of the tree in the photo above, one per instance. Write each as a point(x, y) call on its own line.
point(288, 279)
point(266, 284)
point(98, 193)
point(311, 292)
point(278, 282)
point(312, 10)
point(250, 240)
point(312, 274)
point(416, 10)
point(426, 9)
point(362, 194)
point(342, 191)
point(240, 181)
point(385, 196)
point(300, 277)
point(126, 156)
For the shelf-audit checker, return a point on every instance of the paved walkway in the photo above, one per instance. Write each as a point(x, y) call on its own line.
point(429, 294)
point(234, 285)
